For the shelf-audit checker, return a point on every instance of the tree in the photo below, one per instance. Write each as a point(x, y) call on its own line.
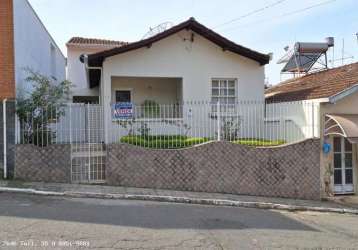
point(41, 107)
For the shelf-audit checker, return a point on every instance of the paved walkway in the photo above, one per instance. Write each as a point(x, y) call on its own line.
point(341, 204)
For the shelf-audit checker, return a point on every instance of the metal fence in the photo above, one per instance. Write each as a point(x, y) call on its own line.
point(80, 126)
point(173, 125)
point(245, 122)
point(84, 128)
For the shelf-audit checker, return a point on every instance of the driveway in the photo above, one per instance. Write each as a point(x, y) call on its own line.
point(39, 222)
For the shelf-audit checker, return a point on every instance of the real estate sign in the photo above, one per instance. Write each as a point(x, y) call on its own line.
point(122, 110)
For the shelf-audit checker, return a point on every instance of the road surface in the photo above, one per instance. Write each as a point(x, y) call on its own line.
point(39, 222)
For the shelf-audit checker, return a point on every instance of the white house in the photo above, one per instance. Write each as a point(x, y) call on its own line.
point(76, 71)
point(187, 62)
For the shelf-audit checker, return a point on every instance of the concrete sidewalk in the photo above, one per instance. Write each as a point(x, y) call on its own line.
point(337, 205)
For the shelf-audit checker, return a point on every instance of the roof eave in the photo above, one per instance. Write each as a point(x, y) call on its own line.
point(91, 46)
point(346, 92)
point(97, 58)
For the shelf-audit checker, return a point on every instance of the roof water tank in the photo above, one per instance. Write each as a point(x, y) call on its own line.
point(311, 47)
point(330, 41)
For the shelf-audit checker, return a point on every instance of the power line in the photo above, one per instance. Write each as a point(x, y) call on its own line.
point(285, 14)
point(250, 13)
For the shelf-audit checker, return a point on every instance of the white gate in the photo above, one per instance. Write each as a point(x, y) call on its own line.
point(88, 154)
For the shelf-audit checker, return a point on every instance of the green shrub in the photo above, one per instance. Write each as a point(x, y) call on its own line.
point(259, 142)
point(196, 140)
point(135, 140)
point(163, 141)
point(179, 141)
point(166, 137)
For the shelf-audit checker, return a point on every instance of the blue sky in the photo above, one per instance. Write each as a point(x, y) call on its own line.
point(268, 30)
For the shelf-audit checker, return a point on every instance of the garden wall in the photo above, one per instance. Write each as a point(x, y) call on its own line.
point(46, 164)
point(291, 171)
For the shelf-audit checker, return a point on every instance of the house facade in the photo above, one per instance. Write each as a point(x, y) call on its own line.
point(336, 92)
point(25, 44)
point(187, 62)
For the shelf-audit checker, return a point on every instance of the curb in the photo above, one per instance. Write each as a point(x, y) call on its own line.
point(29, 191)
point(185, 200)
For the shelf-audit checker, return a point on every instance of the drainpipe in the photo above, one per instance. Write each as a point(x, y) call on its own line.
point(4, 131)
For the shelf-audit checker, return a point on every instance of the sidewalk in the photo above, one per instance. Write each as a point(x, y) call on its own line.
point(338, 205)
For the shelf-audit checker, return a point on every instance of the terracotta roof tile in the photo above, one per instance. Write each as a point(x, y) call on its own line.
point(95, 41)
point(317, 85)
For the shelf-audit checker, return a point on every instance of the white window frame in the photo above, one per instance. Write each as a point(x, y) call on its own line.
point(224, 109)
point(344, 188)
point(219, 88)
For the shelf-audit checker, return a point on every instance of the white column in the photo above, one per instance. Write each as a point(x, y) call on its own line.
point(106, 102)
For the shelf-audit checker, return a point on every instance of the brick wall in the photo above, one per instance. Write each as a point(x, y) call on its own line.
point(7, 69)
point(47, 164)
point(289, 171)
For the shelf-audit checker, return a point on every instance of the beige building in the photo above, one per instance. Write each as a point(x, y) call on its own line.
point(336, 92)
point(187, 62)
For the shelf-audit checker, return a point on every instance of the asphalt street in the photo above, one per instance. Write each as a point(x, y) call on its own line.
point(39, 222)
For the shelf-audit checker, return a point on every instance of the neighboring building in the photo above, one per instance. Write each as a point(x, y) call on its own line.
point(25, 43)
point(76, 72)
point(187, 62)
point(336, 92)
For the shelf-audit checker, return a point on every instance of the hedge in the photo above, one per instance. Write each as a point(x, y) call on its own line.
point(163, 141)
point(180, 141)
point(259, 142)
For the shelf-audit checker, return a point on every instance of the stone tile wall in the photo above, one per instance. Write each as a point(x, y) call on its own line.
point(291, 171)
point(287, 171)
point(47, 164)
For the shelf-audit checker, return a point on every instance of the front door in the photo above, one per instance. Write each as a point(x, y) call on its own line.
point(343, 166)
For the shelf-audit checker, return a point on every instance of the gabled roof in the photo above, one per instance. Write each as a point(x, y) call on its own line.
point(82, 41)
point(323, 84)
point(191, 24)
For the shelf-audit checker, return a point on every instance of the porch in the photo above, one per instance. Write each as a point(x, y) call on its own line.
point(147, 94)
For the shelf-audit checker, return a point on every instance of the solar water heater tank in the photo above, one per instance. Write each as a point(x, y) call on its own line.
point(301, 47)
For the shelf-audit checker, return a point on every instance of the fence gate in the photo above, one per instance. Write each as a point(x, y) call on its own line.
point(88, 154)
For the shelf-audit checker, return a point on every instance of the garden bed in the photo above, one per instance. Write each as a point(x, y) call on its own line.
point(179, 141)
point(163, 141)
point(259, 142)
